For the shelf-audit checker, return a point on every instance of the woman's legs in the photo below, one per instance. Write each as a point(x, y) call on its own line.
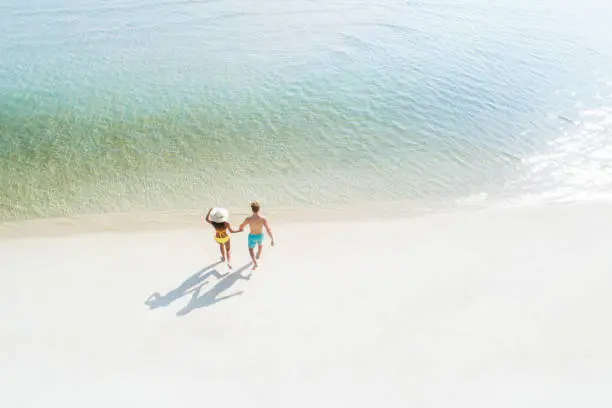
point(222, 249)
point(228, 251)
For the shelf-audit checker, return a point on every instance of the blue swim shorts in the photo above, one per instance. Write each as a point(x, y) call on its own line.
point(255, 239)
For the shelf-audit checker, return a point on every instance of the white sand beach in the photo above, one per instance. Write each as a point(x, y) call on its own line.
point(504, 308)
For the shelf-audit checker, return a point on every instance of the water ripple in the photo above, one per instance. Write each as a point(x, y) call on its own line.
point(163, 106)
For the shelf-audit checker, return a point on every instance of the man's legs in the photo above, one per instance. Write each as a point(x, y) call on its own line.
point(252, 253)
point(259, 249)
point(252, 244)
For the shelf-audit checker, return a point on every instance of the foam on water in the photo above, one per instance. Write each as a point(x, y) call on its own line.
point(575, 164)
point(578, 164)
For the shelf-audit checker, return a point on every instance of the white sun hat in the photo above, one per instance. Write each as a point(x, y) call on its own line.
point(219, 215)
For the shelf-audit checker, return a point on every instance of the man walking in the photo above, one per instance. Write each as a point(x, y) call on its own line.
point(256, 223)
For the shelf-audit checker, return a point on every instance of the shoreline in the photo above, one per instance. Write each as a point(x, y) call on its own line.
point(143, 222)
point(135, 222)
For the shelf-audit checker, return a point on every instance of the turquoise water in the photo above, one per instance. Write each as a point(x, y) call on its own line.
point(122, 105)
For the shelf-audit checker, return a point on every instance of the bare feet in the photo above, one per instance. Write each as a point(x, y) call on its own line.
point(255, 265)
point(229, 266)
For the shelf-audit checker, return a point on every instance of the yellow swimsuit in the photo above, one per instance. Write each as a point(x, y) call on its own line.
point(221, 236)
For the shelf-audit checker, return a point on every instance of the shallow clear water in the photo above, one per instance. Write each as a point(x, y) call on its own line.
point(112, 106)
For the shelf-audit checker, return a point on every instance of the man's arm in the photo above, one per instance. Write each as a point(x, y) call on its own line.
point(269, 231)
point(244, 223)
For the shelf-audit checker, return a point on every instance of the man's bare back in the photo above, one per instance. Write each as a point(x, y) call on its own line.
point(256, 223)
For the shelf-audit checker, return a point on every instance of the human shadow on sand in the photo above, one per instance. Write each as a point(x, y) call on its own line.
point(210, 297)
point(198, 279)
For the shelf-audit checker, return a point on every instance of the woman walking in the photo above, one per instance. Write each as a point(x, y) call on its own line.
point(218, 218)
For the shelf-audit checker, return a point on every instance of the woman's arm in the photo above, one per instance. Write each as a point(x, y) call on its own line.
point(232, 230)
point(207, 217)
